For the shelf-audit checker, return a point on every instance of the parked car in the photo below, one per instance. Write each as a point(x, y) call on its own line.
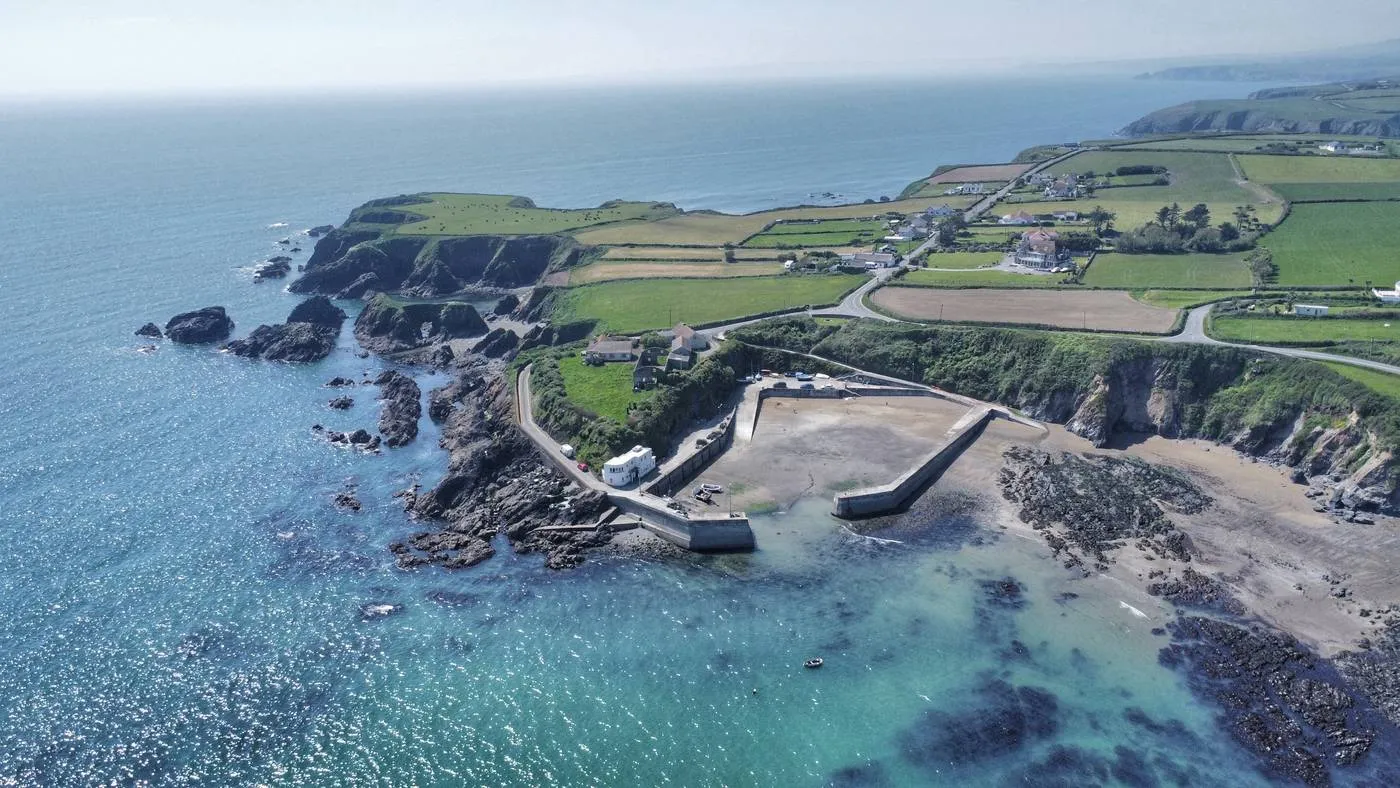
point(583, 466)
point(808, 386)
point(782, 384)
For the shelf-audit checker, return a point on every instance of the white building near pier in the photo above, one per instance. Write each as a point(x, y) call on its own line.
point(629, 468)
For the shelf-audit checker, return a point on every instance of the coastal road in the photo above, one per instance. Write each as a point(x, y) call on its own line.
point(1194, 333)
point(986, 203)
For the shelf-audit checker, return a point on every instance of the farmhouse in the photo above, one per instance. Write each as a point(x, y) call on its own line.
point(690, 339)
point(1309, 310)
point(1039, 249)
point(629, 468)
point(1388, 296)
point(1018, 218)
point(1333, 147)
point(869, 260)
point(940, 212)
point(1066, 216)
point(680, 358)
point(606, 348)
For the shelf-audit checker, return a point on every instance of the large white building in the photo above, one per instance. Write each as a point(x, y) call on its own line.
point(629, 468)
point(1388, 296)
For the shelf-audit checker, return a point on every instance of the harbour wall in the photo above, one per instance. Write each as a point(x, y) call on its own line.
point(891, 497)
point(670, 482)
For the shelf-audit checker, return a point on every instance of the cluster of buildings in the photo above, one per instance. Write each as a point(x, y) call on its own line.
point(1062, 187)
point(1335, 146)
point(686, 343)
point(967, 189)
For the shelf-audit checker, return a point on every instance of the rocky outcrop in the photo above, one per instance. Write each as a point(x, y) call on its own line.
point(341, 403)
point(495, 483)
point(508, 303)
point(387, 325)
point(200, 327)
point(1277, 699)
point(319, 230)
point(500, 343)
point(149, 330)
point(273, 268)
point(398, 420)
point(1093, 505)
point(308, 335)
point(351, 263)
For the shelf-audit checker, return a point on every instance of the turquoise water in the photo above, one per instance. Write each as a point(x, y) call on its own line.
point(183, 604)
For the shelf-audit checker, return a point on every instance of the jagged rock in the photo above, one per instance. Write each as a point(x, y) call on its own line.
point(273, 268)
point(200, 327)
point(308, 335)
point(319, 230)
point(341, 403)
point(389, 326)
point(442, 356)
point(149, 330)
point(363, 286)
point(500, 343)
point(398, 421)
point(506, 305)
point(317, 310)
point(1194, 590)
point(347, 501)
point(339, 382)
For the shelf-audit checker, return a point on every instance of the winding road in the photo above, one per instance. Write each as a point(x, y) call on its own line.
point(1194, 333)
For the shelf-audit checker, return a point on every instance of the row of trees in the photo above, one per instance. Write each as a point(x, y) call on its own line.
point(1174, 230)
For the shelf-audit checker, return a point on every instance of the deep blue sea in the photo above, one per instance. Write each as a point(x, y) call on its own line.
point(181, 604)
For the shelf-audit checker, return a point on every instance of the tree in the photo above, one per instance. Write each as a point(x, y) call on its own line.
point(730, 257)
point(1198, 216)
point(1174, 215)
point(1229, 232)
point(1164, 217)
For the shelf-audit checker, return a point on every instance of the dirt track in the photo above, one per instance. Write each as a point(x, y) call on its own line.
point(1101, 310)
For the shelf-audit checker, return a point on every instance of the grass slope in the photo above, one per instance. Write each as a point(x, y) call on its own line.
point(1379, 382)
point(1337, 244)
point(633, 305)
point(1276, 330)
point(605, 390)
point(498, 214)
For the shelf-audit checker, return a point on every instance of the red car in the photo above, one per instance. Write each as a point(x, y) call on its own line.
point(583, 466)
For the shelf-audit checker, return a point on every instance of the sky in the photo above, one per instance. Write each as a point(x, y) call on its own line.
point(84, 47)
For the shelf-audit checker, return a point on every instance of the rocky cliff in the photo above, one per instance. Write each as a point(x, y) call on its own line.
point(1297, 116)
point(353, 263)
point(387, 325)
point(308, 335)
point(1334, 433)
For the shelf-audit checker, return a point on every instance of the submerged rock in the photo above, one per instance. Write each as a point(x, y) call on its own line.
point(149, 330)
point(200, 327)
point(1001, 720)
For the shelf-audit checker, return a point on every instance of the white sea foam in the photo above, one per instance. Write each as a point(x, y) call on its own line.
point(1134, 610)
point(276, 225)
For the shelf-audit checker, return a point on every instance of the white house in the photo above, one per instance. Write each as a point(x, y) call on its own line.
point(1388, 296)
point(1017, 218)
point(1334, 147)
point(629, 468)
point(1309, 310)
point(870, 259)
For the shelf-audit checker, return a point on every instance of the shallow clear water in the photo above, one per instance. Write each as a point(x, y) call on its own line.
point(183, 604)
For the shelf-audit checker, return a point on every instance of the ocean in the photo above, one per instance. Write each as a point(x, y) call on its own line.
point(183, 604)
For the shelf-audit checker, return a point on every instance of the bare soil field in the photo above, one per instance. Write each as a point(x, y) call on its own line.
point(981, 173)
point(1099, 310)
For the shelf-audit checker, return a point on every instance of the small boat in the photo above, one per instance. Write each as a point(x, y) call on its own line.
point(813, 663)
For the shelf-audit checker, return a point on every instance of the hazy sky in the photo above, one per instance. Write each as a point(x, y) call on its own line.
point(90, 46)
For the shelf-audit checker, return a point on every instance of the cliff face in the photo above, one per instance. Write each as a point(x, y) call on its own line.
point(349, 264)
point(1263, 117)
point(1331, 431)
point(388, 326)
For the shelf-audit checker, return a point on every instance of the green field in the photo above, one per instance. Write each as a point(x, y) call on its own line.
point(1320, 169)
point(848, 226)
point(1274, 330)
point(605, 390)
point(810, 240)
point(497, 214)
point(1142, 271)
point(1195, 177)
point(1212, 144)
point(963, 259)
point(632, 306)
point(1180, 299)
point(1379, 382)
point(1330, 192)
point(1338, 244)
point(936, 278)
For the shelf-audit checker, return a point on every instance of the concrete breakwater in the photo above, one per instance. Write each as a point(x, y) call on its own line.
point(673, 479)
point(890, 497)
